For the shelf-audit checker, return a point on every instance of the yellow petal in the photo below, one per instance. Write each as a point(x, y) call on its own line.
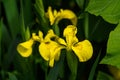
point(61, 41)
point(70, 35)
point(83, 50)
point(35, 37)
point(55, 16)
point(51, 63)
point(67, 14)
point(50, 15)
point(49, 35)
point(25, 48)
point(70, 30)
point(40, 36)
point(44, 50)
point(55, 12)
point(55, 50)
point(50, 51)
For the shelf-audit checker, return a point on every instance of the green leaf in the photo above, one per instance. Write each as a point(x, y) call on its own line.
point(57, 70)
point(113, 48)
point(27, 34)
point(12, 16)
point(12, 76)
point(72, 64)
point(108, 9)
point(27, 11)
point(22, 22)
point(0, 40)
point(41, 15)
point(80, 3)
point(56, 29)
point(10, 54)
point(92, 72)
point(103, 76)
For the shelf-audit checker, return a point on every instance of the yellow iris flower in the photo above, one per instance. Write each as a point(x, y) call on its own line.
point(55, 16)
point(83, 49)
point(51, 45)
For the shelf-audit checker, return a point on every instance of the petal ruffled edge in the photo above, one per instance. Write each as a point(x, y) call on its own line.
point(25, 48)
point(83, 50)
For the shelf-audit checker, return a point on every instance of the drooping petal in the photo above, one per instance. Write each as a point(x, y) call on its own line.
point(55, 50)
point(55, 16)
point(25, 48)
point(83, 50)
point(50, 51)
point(70, 35)
point(44, 50)
point(66, 14)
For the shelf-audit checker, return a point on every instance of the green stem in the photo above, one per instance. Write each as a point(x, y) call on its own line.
point(46, 71)
point(56, 29)
point(86, 25)
point(72, 64)
point(0, 40)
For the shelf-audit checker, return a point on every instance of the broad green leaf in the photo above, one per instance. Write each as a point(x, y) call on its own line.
point(72, 64)
point(103, 76)
point(113, 48)
point(108, 9)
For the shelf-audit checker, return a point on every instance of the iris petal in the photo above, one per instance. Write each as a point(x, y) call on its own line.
point(50, 15)
point(25, 48)
point(49, 35)
point(55, 16)
point(70, 35)
point(83, 50)
point(50, 51)
point(44, 50)
point(67, 14)
point(51, 62)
